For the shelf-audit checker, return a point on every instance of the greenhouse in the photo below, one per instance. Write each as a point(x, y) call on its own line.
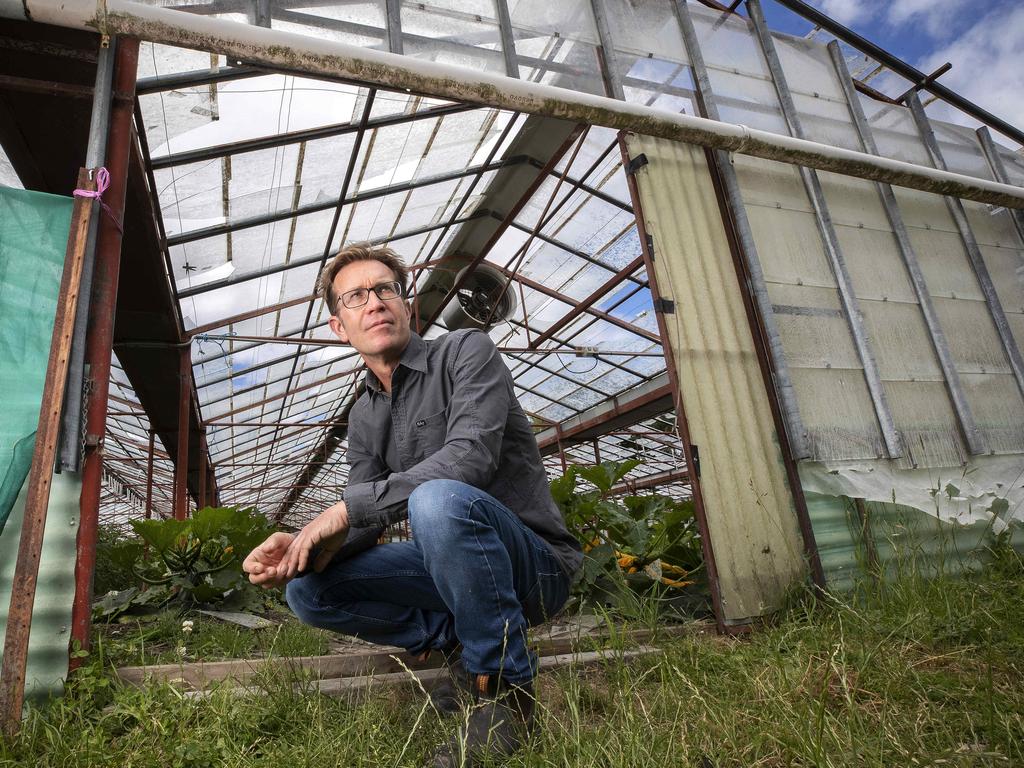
point(771, 282)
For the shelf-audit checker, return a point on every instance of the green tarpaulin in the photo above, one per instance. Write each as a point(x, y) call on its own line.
point(33, 240)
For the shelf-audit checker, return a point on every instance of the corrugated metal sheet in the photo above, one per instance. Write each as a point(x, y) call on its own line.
point(55, 590)
point(751, 518)
point(895, 540)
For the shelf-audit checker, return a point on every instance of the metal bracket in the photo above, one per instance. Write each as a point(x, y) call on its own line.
point(695, 455)
point(664, 306)
point(636, 163)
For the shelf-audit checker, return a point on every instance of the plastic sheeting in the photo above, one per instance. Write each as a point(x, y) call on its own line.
point(33, 239)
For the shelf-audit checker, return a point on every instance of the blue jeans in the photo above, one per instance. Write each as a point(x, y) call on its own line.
point(473, 572)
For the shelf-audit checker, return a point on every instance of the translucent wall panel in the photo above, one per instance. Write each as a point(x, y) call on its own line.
point(462, 32)
point(556, 43)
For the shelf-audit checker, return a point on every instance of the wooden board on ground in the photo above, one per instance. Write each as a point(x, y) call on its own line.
point(369, 662)
point(359, 685)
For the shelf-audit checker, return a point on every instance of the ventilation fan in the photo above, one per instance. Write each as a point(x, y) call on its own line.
point(482, 301)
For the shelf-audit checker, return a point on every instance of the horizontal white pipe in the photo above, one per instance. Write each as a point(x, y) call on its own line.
point(301, 53)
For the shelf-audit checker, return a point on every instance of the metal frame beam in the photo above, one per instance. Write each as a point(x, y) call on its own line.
point(974, 441)
point(358, 197)
point(956, 209)
point(830, 240)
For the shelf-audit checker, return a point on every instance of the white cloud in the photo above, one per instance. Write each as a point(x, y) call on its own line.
point(988, 63)
point(849, 12)
point(936, 16)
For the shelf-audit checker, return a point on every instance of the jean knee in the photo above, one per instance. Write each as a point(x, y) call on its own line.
point(301, 598)
point(430, 504)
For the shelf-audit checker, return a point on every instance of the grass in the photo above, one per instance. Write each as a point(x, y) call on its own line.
point(908, 672)
point(159, 639)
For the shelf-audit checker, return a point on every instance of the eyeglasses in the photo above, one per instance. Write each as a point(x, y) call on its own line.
point(358, 297)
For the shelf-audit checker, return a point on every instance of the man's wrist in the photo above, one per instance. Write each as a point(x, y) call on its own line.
point(341, 512)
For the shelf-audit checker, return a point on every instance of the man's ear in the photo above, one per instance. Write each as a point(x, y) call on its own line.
point(338, 328)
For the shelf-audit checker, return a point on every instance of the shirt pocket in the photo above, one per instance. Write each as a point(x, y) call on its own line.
point(427, 435)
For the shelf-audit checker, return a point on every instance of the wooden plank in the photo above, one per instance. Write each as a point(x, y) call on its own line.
point(375, 661)
point(354, 686)
point(30, 545)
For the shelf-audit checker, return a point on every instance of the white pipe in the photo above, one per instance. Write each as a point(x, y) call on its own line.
point(277, 49)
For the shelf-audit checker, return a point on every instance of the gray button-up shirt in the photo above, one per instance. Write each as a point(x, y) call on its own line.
point(452, 414)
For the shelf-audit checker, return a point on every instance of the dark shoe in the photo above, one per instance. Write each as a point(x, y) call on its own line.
point(450, 693)
point(497, 725)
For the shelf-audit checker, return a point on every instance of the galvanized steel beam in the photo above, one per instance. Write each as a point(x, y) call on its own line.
point(393, 13)
point(833, 250)
point(95, 156)
point(606, 55)
point(995, 162)
point(508, 43)
point(956, 209)
point(975, 443)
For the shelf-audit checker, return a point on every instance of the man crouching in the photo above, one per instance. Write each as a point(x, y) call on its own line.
point(438, 437)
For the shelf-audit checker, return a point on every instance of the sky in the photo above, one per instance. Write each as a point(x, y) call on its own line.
point(983, 39)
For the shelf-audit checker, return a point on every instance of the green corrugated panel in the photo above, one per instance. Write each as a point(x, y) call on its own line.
point(904, 539)
point(55, 590)
point(33, 240)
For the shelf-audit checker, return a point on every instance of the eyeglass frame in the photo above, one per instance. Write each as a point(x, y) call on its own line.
point(397, 285)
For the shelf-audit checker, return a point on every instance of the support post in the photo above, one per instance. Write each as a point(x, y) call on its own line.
point(956, 209)
point(613, 83)
point(968, 427)
point(393, 22)
point(30, 543)
point(202, 469)
point(149, 476)
point(100, 338)
point(184, 407)
point(833, 251)
point(508, 41)
point(95, 157)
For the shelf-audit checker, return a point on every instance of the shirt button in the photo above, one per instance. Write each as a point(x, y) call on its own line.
point(421, 422)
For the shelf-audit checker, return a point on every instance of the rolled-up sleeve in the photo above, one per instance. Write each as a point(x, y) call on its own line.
point(477, 413)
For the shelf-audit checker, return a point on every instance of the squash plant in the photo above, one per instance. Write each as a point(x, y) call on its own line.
point(643, 540)
point(190, 562)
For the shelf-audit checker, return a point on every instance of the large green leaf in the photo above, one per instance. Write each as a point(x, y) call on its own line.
point(607, 474)
point(161, 535)
point(564, 487)
point(213, 522)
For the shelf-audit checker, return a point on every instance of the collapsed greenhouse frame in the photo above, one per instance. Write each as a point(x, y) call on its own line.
point(174, 397)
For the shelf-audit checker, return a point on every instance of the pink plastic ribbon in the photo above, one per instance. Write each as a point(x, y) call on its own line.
point(102, 183)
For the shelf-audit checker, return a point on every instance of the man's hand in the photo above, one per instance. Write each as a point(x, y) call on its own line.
point(264, 564)
point(328, 530)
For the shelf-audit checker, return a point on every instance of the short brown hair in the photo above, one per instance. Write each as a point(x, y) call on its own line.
point(359, 252)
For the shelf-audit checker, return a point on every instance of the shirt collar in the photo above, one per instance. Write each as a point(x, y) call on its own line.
point(414, 357)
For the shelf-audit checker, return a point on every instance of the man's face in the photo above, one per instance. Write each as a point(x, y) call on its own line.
point(379, 328)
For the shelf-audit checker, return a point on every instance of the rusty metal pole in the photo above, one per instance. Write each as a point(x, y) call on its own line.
point(100, 337)
point(181, 462)
point(149, 476)
point(203, 475)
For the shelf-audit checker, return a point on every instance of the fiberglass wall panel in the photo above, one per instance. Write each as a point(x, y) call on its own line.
point(751, 517)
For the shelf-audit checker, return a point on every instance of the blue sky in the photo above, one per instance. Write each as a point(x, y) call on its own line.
point(984, 40)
